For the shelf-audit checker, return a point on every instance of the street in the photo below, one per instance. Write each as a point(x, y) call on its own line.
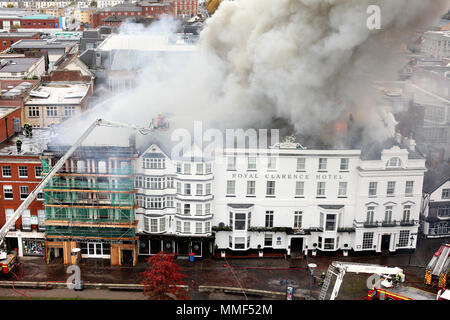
point(267, 274)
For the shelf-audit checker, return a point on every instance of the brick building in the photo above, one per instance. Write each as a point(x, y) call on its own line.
point(20, 174)
point(116, 15)
point(9, 38)
point(41, 21)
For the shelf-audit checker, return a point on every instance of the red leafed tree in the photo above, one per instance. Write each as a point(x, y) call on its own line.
point(163, 278)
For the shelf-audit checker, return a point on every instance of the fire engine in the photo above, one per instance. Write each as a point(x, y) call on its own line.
point(387, 283)
point(439, 267)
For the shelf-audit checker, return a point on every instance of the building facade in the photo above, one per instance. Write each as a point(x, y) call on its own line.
point(435, 217)
point(90, 205)
point(285, 200)
point(21, 172)
point(174, 204)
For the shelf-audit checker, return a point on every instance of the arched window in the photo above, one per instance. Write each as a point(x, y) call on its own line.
point(394, 162)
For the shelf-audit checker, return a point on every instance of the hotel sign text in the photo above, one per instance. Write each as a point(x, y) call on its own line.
point(279, 176)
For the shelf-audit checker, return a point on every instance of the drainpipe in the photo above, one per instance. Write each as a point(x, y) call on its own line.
point(6, 125)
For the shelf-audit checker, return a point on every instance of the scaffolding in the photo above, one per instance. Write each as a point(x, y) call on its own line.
point(97, 204)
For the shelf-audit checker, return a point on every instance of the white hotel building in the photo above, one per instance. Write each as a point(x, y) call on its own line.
point(285, 199)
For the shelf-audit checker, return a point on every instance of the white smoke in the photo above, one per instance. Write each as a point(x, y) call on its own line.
point(310, 62)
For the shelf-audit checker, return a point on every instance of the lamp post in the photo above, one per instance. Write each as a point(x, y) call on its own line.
point(410, 253)
point(311, 267)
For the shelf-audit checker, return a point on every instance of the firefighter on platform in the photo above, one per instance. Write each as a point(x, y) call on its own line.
point(322, 279)
point(28, 129)
point(19, 145)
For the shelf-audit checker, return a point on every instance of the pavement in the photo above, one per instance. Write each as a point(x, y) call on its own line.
point(268, 274)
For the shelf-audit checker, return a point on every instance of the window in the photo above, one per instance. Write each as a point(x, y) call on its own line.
point(330, 223)
point(344, 164)
point(6, 171)
point(394, 162)
point(198, 209)
point(208, 168)
point(41, 219)
point(321, 189)
point(328, 244)
point(409, 187)
point(272, 163)
point(239, 243)
point(187, 168)
point(179, 187)
point(8, 214)
point(239, 221)
point(367, 240)
point(187, 189)
point(270, 190)
point(33, 112)
point(7, 192)
point(406, 213)
point(26, 220)
point(178, 208)
point(23, 172)
point(178, 226)
point(269, 219)
point(251, 188)
point(37, 172)
point(199, 190)
point(322, 163)
point(443, 211)
point(207, 208)
point(268, 239)
point(388, 214)
point(162, 224)
point(251, 164)
point(178, 167)
point(403, 238)
point(445, 193)
point(372, 189)
point(69, 111)
point(52, 112)
point(231, 187)
point(342, 189)
point(208, 189)
point(153, 225)
point(23, 192)
point(299, 188)
point(187, 227)
point(300, 164)
point(40, 196)
point(370, 214)
point(198, 227)
point(298, 219)
point(231, 163)
point(390, 188)
point(199, 168)
point(320, 242)
point(187, 208)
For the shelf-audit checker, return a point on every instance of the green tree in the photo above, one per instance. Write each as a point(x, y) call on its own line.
point(93, 4)
point(10, 5)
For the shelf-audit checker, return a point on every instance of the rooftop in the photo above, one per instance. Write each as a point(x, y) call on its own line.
point(145, 42)
point(4, 111)
point(42, 44)
point(17, 64)
point(30, 145)
point(18, 34)
point(58, 93)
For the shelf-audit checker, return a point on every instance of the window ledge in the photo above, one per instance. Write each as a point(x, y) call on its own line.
point(230, 196)
point(299, 197)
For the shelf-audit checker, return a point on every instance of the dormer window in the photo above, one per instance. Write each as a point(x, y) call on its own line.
point(394, 162)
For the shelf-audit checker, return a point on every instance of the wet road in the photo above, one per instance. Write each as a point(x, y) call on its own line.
point(263, 273)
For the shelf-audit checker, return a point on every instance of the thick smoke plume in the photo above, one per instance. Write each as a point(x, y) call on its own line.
point(308, 63)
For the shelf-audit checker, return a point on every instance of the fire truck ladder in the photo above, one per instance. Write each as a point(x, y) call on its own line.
point(330, 272)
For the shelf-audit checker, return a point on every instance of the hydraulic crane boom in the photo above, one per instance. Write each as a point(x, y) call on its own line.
point(98, 122)
point(340, 268)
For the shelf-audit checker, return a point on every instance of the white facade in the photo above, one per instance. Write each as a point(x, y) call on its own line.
point(286, 199)
point(436, 211)
point(436, 44)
